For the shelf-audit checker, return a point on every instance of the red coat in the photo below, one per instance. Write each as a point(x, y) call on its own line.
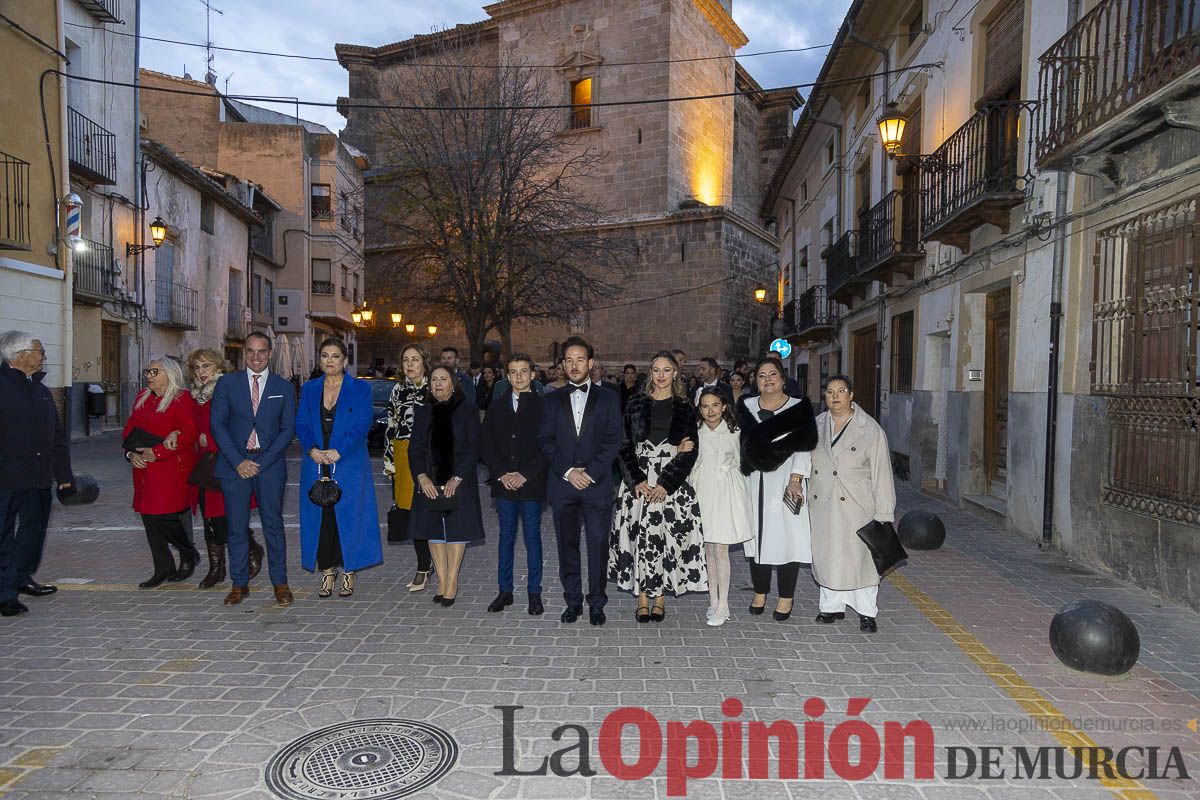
point(162, 487)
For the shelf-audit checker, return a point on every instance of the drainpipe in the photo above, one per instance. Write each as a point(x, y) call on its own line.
point(1056, 279)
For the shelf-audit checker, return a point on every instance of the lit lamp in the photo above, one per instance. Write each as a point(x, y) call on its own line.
point(432, 330)
point(891, 128)
point(356, 317)
point(760, 294)
point(410, 329)
point(158, 234)
point(396, 317)
point(367, 314)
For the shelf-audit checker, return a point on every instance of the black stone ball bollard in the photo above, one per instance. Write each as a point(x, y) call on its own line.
point(922, 530)
point(83, 490)
point(1092, 636)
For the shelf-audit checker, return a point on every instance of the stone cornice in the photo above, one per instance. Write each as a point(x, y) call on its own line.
point(720, 19)
point(510, 8)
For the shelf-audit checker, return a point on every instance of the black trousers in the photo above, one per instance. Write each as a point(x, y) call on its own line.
point(164, 531)
point(216, 529)
point(424, 556)
point(24, 514)
point(760, 576)
point(595, 519)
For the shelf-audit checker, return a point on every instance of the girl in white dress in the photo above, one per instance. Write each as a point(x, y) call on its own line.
point(725, 510)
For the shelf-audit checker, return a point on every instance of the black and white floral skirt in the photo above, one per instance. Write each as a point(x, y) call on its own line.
point(657, 548)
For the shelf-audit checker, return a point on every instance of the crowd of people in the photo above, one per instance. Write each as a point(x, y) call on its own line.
point(650, 479)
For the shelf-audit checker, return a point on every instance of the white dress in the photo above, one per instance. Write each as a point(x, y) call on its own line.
point(778, 535)
point(725, 508)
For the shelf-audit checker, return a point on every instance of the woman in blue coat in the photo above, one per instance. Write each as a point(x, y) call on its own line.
point(332, 421)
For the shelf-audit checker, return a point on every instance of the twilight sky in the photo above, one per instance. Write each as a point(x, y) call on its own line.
point(312, 27)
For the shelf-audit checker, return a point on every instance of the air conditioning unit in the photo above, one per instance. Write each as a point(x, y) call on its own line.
point(289, 311)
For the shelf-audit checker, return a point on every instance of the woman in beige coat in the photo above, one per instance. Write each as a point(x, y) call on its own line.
point(851, 485)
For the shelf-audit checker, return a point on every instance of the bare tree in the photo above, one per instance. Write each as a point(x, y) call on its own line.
point(482, 206)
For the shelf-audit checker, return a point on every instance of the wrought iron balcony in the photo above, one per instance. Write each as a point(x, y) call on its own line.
point(14, 203)
point(1112, 71)
point(890, 236)
point(172, 305)
point(816, 314)
point(978, 174)
point(238, 324)
point(95, 272)
point(93, 149)
point(841, 269)
point(103, 10)
point(322, 287)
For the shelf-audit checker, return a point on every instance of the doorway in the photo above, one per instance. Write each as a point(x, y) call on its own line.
point(110, 371)
point(995, 394)
point(865, 345)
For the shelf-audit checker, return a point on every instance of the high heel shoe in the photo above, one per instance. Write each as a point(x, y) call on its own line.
point(756, 610)
point(437, 598)
point(643, 614)
point(781, 616)
point(659, 612)
point(347, 584)
point(448, 601)
point(420, 581)
point(326, 589)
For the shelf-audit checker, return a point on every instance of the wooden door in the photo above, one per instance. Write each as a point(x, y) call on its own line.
point(110, 368)
point(863, 372)
point(995, 442)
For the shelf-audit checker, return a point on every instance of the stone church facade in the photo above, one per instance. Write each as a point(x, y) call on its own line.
point(685, 177)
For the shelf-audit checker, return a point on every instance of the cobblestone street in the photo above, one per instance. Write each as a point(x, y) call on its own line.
point(114, 692)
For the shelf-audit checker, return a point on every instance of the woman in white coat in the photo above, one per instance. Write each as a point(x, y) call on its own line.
point(778, 434)
point(851, 485)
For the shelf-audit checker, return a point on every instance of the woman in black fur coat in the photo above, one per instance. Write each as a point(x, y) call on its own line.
point(778, 435)
point(657, 543)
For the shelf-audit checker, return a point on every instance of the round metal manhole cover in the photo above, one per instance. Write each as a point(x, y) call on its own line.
point(375, 758)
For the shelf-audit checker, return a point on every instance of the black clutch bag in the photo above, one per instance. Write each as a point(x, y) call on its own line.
point(325, 491)
point(204, 473)
point(139, 438)
point(791, 504)
point(441, 503)
point(397, 523)
point(881, 539)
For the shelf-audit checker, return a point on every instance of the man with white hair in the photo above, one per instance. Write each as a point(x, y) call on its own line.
point(33, 458)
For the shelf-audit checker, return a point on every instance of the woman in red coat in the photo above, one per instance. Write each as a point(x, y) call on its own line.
point(160, 474)
point(207, 366)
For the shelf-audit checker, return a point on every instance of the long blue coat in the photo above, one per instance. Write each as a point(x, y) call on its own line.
point(357, 514)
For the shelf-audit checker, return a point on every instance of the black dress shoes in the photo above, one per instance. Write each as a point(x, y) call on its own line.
point(781, 616)
point(571, 613)
point(867, 624)
point(535, 605)
point(437, 598)
point(155, 580)
point(448, 601)
point(756, 610)
point(187, 565)
point(502, 601)
point(829, 618)
point(35, 589)
point(596, 616)
point(11, 608)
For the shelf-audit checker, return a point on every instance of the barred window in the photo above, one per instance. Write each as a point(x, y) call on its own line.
point(902, 353)
point(1144, 358)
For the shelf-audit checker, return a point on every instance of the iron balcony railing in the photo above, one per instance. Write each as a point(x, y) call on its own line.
point(95, 272)
point(103, 10)
point(238, 324)
point(979, 162)
point(841, 265)
point(1120, 53)
point(93, 149)
point(14, 203)
point(815, 309)
point(322, 287)
point(173, 305)
point(890, 228)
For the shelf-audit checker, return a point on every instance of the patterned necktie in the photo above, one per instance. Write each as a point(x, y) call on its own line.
point(252, 442)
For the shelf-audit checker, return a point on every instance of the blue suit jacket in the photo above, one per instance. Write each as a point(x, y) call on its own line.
point(233, 419)
point(595, 448)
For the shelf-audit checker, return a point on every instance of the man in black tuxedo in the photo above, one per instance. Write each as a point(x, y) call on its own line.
point(580, 437)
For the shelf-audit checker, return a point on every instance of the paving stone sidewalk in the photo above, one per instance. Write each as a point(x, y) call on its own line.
point(114, 692)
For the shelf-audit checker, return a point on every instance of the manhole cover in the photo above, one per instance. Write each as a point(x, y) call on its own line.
point(375, 758)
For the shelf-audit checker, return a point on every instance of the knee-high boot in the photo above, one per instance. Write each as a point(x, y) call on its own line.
point(216, 566)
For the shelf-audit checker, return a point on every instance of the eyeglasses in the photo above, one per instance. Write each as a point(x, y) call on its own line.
point(41, 350)
point(832, 392)
point(152, 372)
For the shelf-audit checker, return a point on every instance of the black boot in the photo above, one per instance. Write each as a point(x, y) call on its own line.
point(187, 565)
point(256, 555)
point(216, 566)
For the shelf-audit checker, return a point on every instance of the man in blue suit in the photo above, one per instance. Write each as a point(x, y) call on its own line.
point(253, 422)
point(580, 437)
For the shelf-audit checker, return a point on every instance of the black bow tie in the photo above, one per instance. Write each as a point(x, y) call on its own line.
point(581, 387)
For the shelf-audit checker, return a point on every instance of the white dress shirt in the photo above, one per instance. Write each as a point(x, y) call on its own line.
point(578, 404)
point(262, 388)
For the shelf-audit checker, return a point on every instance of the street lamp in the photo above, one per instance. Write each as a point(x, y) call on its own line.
point(410, 329)
point(356, 317)
point(367, 314)
point(891, 128)
point(396, 317)
point(432, 330)
point(158, 234)
point(760, 294)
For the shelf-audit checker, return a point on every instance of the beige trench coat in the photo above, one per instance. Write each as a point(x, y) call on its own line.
point(850, 486)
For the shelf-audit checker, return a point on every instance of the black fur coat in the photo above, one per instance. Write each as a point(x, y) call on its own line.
point(637, 427)
point(767, 444)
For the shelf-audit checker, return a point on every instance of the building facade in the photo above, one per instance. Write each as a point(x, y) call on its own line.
point(1010, 289)
point(681, 177)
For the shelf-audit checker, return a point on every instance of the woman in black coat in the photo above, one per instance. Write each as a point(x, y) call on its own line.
point(657, 543)
point(443, 455)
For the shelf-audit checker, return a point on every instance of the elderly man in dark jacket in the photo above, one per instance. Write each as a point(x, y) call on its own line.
point(517, 470)
point(33, 457)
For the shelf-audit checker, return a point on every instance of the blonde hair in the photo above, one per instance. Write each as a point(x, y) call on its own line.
point(677, 387)
point(170, 367)
point(202, 355)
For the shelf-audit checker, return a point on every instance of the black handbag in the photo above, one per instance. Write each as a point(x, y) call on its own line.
point(442, 503)
point(139, 438)
point(881, 539)
point(325, 491)
point(397, 524)
point(204, 473)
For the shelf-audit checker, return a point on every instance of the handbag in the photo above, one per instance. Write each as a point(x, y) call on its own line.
point(881, 539)
point(204, 473)
point(397, 524)
point(325, 491)
point(442, 503)
point(139, 438)
point(792, 505)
